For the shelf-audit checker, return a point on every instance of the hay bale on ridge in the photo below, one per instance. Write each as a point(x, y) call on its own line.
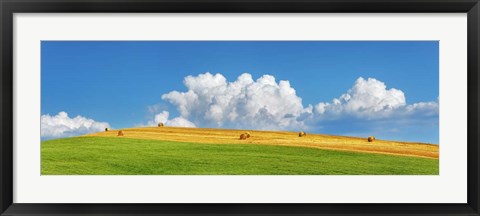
point(160, 124)
point(302, 134)
point(120, 133)
point(371, 138)
point(244, 136)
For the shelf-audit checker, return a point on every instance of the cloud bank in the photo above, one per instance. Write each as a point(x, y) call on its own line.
point(264, 103)
point(61, 125)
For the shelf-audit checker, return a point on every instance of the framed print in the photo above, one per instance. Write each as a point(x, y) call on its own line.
point(246, 108)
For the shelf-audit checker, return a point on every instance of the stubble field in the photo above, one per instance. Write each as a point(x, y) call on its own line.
point(199, 151)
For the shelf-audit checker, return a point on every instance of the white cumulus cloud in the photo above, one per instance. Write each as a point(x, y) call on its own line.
point(180, 122)
point(212, 101)
point(161, 118)
point(175, 122)
point(61, 125)
point(370, 99)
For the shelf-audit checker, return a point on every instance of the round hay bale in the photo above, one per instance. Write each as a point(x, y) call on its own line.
point(248, 134)
point(302, 134)
point(243, 136)
point(371, 138)
point(120, 133)
point(160, 124)
point(106, 129)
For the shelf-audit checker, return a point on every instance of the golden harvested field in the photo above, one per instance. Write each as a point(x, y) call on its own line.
point(282, 138)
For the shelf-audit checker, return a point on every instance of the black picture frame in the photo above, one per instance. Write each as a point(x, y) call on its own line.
point(9, 7)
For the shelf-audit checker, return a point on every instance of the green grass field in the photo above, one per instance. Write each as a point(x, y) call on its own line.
point(124, 156)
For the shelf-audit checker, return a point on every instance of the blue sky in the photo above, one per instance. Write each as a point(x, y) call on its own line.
point(122, 83)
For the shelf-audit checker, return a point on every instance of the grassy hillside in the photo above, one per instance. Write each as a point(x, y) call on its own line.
point(97, 155)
